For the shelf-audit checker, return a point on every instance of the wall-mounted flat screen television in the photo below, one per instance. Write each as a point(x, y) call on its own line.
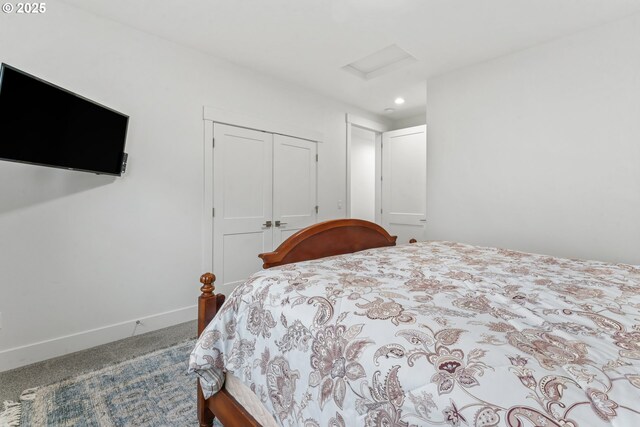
point(43, 124)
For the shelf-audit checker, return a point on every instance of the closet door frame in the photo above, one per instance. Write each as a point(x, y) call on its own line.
point(219, 115)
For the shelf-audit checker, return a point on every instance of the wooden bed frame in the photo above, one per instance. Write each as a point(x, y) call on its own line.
point(321, 240)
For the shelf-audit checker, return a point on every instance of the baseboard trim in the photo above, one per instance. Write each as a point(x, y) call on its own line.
point(43, 350)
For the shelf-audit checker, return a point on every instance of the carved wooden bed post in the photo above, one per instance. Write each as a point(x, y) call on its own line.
point(208, 305)
point(229, 412)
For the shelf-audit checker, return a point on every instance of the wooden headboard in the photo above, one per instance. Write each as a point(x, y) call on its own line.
point(335, 237)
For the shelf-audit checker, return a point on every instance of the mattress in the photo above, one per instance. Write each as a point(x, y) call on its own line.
point(435, 333)
point(249, 400)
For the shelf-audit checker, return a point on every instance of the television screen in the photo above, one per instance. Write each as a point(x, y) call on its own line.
point(46, 125)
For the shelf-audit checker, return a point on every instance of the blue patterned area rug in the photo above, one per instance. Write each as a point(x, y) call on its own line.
point(151, 390)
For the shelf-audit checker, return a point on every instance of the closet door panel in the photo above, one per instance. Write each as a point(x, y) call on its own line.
point(243, 202)
point(240, 253)
point(294, 186)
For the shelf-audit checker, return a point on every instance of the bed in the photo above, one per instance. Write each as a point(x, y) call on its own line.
point(343, 328)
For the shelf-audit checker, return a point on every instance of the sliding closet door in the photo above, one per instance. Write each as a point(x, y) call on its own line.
point(404, 182)
point(242, 200)
point(294, 186)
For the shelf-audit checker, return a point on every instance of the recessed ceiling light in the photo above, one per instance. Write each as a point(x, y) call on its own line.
point(389, 110)
point(399, 101)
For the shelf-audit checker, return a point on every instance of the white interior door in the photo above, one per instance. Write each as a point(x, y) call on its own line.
point(294, 186)
point(404, 182)
point(242, 200)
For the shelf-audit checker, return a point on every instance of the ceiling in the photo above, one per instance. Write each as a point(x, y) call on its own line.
point(307, 42)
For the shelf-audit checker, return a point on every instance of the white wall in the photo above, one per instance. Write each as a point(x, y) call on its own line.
point(83, 256)
point(363, 174)
point(540, 150)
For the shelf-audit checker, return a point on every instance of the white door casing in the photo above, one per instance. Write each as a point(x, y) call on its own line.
point(404, 182)
point(243, 202)
point(294, 186)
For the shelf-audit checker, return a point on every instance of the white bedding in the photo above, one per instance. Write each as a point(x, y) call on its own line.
point(433, 334)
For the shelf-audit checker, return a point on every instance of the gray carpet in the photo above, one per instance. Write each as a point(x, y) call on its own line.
point(13, 382)
point(150, 390)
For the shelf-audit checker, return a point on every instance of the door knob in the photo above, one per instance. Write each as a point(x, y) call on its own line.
point(267, 224)
point(278, 223)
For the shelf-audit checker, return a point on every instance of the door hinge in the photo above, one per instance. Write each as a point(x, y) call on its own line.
point(380, 210)
point(380, 177)
point(316, 209)
point(213, 142)
point(213, 212)
point(316, 157)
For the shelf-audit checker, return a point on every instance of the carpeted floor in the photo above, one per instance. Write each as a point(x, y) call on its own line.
point(13, 382)
point(150, 390)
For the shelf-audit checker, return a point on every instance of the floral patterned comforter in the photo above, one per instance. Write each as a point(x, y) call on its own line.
point(434, 333)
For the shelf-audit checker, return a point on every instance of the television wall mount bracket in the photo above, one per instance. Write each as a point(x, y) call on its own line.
point(125, 157)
